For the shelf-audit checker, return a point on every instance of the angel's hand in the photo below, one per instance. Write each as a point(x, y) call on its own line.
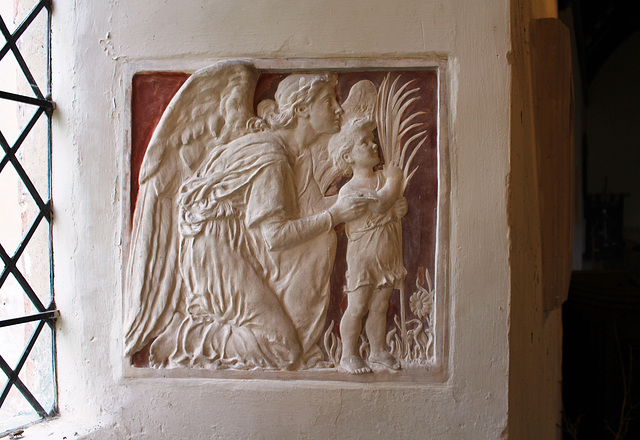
point(401, 207)
point(350, 207)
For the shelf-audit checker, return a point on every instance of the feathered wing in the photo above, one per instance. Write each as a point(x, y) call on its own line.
point(361, 102)
point(213, 107)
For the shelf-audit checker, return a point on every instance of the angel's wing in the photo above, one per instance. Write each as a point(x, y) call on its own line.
point(360, 103)
point(213, 107)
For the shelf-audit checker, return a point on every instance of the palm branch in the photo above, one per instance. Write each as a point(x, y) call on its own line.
point(394, 126)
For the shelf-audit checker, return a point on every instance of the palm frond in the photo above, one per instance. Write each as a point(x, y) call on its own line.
point(392, 103)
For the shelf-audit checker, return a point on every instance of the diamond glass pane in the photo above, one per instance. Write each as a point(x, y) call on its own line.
point(16, 411)
point(9, 126)
point(13, 79)
point(37, 373)
point(14, 117)
point(10, 221)
point(18, 208)
point(15, 337)
point(15, 12)
point(34, 263)
point(32, 156)
point(33, 47)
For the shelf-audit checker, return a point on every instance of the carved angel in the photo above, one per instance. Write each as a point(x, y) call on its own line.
point(213, 106)
point(233, 242)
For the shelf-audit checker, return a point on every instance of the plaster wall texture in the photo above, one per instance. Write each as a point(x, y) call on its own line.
point(97, 44)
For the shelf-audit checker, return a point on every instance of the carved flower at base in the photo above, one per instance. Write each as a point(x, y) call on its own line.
point(421, 304)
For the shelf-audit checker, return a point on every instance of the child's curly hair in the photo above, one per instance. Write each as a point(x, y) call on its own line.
point(343, 142)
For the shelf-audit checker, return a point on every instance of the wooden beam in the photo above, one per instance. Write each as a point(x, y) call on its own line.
point(553, 120)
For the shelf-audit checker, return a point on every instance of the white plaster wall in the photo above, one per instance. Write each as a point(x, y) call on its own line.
point(95, 43)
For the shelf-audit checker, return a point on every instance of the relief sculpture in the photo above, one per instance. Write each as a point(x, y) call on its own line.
point(234, 249)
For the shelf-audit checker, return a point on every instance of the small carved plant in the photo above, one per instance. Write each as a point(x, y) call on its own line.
point(332, 346)
point(418, 347)
point(421, 302)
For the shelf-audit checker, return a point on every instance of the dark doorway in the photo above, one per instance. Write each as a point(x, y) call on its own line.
point(601, 344)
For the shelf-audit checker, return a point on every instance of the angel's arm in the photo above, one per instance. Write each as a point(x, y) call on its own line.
point(270, 207)
point(284, 233)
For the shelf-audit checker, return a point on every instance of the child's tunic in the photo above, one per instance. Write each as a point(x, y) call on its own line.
point(374, 252)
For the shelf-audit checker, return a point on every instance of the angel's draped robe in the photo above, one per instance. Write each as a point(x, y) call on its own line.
point(256, 255)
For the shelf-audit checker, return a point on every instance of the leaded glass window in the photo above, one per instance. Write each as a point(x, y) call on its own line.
point(27, 307)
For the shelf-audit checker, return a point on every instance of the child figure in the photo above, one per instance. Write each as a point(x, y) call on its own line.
point(374, 253)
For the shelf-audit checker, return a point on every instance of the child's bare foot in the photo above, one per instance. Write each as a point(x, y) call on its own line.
point(354, 365)
point(385, 359)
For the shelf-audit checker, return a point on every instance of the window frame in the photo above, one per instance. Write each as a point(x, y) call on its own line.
point(46, 314)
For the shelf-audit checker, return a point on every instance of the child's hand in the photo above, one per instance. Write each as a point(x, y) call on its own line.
point(393, 172)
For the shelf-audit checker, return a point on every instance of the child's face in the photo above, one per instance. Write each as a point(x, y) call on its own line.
point(364, 152)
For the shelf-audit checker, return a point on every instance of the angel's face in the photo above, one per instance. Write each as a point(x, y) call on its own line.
point(325, 112)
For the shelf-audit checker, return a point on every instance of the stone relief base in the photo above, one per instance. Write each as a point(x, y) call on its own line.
point(415, 374)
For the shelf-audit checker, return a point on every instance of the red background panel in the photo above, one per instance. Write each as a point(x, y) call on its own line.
point(152, 92)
